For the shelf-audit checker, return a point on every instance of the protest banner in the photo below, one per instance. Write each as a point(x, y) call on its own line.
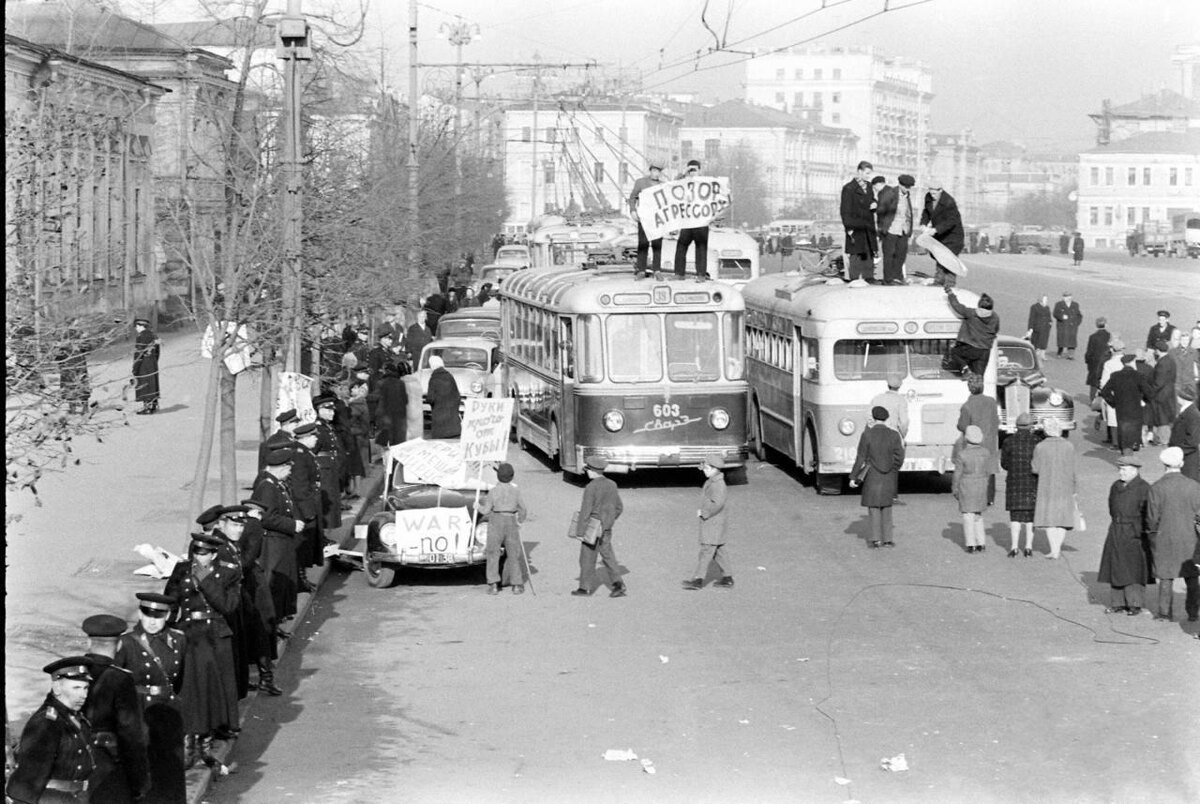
point(295, 392)
point(238, 349)
point(485, 427)
point(682, 204)
point(437, 462)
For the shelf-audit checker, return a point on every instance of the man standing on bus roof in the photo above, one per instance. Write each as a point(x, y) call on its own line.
point(645, 244)
point(858, 218)
point(941, 218)
point(895, 214)
point(693, 234)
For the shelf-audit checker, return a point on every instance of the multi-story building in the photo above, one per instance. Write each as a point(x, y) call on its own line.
point(884, 100)
point(953, 160)
point(566, 154)
point(1146, 178)
point(79, 190)
point(803, 162)
point(1010, 171)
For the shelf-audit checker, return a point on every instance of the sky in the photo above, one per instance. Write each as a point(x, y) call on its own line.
point(1028, 71)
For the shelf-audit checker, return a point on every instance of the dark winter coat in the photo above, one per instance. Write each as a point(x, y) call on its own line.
point(1124, 560)
point(881, 454)
point(979, 327)
point(114, 710)
point(946, 221)
point(1020, 485)
point(858, 219)
point(1125, 391)
point(56, 744)
point(981, 411)
point(1040, 320)
point(1096, 354)
point(145, 366)
point(444, 401)
point(1067, 318)
point(156, 663)
point(1161, 407)
point(1158, 333)
point(1185, 434)
point(391, 412)
point(279, 541)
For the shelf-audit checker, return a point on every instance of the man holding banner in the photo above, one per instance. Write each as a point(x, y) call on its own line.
point(645, 244)
point(688, 205)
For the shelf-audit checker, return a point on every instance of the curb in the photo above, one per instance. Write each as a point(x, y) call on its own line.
point(201, 778)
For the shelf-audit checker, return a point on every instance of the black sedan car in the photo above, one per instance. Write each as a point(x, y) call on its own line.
point(1021, 387)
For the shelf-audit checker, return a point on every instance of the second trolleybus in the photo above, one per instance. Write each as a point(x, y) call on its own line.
point(818, 350)
point(641, 373)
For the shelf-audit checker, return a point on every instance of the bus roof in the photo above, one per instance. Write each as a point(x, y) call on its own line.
point(812, 296)
point(582, 290)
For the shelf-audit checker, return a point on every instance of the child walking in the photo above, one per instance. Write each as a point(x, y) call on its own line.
point(712, 526)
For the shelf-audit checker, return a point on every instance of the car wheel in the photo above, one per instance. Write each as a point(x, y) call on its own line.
point(379, 576)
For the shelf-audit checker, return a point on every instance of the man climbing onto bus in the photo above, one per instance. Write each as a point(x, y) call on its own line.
point(645, 244)
point(976, 334)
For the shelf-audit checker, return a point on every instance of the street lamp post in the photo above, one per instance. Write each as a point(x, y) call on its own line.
point(458, 33)
point(292, 47)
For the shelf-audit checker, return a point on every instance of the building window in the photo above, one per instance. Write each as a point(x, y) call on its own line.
point(1094, 215)
point(685, 149)
point(1145, 214)
point(548, 172)
point(837, 74)
point(1187, 177)
point(837, 97)
point(837, 118)
point(712, 149)
point(1095, 177)
point(1108, 177)
point(526, 134)
point(798, 100)
point(1132, 176)
point(1131, 217)
point(817, 100)
point(624, 172)
point(598, 172)
point(779, 97)
point(817, 74)
point(1174, 180)
point(1108, 216)
point(1146, 176)
point(799, 74)
point(779, 73)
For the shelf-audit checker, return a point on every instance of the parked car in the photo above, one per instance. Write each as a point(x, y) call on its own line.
point(473, 362)
point(517, 256)
point(1021, 387)
point(470, 322)
point(492, 275)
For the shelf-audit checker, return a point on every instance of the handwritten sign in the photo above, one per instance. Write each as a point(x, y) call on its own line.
point(432, 531)
point(437, 462)
point(485, 427)
point(295, 392)
point(682, 204)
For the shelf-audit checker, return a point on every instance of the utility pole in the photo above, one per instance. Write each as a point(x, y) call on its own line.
point(411, 272)
point(537, 81)
point(293, 48)
point(459, 33)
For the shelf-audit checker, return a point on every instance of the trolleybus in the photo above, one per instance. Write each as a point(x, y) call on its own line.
point(558, 243)
point(642, 373)
point(732, 256)
point(818, 350)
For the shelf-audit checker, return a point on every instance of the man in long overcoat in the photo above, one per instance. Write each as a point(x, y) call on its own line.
point(1067, 318)
point(444, 400)
point(1123, 564)
point(145, 366)
point(391, 412)
point(877, 467)
point(858, 219)
point(1038, 328)
point(941, 217)
point(282, 524)
point(305, 483)
point(1161, 405)
point(1172, 511)
point(1185, 434)
point(714, 525)
point(1094, 356)
point(1124, 392)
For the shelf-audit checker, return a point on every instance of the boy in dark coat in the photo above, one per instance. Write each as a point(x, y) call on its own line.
point(973, 345)
point(877, 468)
point(713, 525)
point(1123, 564)
point(602, 501)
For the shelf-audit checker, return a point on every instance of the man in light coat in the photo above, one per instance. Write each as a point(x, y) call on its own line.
point(1171, 514)
point(713, 526)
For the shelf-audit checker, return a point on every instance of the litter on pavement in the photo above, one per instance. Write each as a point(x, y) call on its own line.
point(162, 562)
point(896, 763)
point(648, 767)
point(620, 755)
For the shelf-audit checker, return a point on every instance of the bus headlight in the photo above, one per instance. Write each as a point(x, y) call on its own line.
point(846, 427)
point(614, 420)
point(719, 418)
point(476, 386)
point(1056, 398)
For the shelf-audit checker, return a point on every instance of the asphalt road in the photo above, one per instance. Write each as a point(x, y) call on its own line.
point(999, 679)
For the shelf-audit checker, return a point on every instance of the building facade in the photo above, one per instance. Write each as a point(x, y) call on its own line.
point(79, 186)
point(954, 162)
point(1010, 171)
point(570, 155)
point(884, 100)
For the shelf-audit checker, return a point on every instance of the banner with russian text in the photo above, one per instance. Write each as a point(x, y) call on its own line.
point(682, 204)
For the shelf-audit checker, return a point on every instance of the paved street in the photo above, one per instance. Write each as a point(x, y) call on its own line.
point(999, 679)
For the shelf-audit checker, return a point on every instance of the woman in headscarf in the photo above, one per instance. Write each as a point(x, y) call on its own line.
point(1054, 464)
point(1020, 486)
point(444, 401)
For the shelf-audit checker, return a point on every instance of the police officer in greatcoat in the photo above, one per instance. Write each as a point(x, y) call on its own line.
point(258, 610)
point(329, 460)
point(55, 758)
point(306, 486)
point(288, 421)
point(114, 710)
point(282, 526)
point(153, 655)
point(230, 529)
point(205, 592)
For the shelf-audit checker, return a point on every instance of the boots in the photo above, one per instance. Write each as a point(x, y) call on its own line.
point(305, 584)
point(266, 678)
point(190, 751)
point(205, 745)
point(493, 588)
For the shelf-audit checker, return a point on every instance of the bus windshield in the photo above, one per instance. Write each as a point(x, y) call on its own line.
point(693, 347)
point(876, 359)
point(634, 344)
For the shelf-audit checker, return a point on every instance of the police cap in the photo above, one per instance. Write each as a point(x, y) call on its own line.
point(104, 625)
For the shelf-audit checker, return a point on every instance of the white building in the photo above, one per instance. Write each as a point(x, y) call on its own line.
point(585, 152)
point(953, 161)
point(1010, 171)
point(885, 100)
point(803, 162)
point(1141, 179)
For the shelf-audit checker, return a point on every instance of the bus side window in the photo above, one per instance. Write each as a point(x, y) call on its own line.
point(567, 346)
point(812, 367)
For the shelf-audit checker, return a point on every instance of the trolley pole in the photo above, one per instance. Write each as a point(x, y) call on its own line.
point(412, 270)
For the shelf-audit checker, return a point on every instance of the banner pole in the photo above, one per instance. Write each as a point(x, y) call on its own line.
point(475, 511)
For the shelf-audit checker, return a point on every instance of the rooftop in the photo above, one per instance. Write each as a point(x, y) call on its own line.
point(739, 114)
point(1154, 142)
point(1164, 103)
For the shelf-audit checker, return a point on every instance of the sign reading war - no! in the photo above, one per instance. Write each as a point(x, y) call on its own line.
point(485, 428)
point(682, 204)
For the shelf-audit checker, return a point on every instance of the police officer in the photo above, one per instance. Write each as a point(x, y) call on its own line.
point(153, 654)
point(257, 609)
point(330, 459)
point(282, 525)
point(205, 591)
point(288, 421)
point(115, 713)
point(55, 759)
point(307, 491)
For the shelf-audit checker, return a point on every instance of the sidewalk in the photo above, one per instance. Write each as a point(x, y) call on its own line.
point(70, 554)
